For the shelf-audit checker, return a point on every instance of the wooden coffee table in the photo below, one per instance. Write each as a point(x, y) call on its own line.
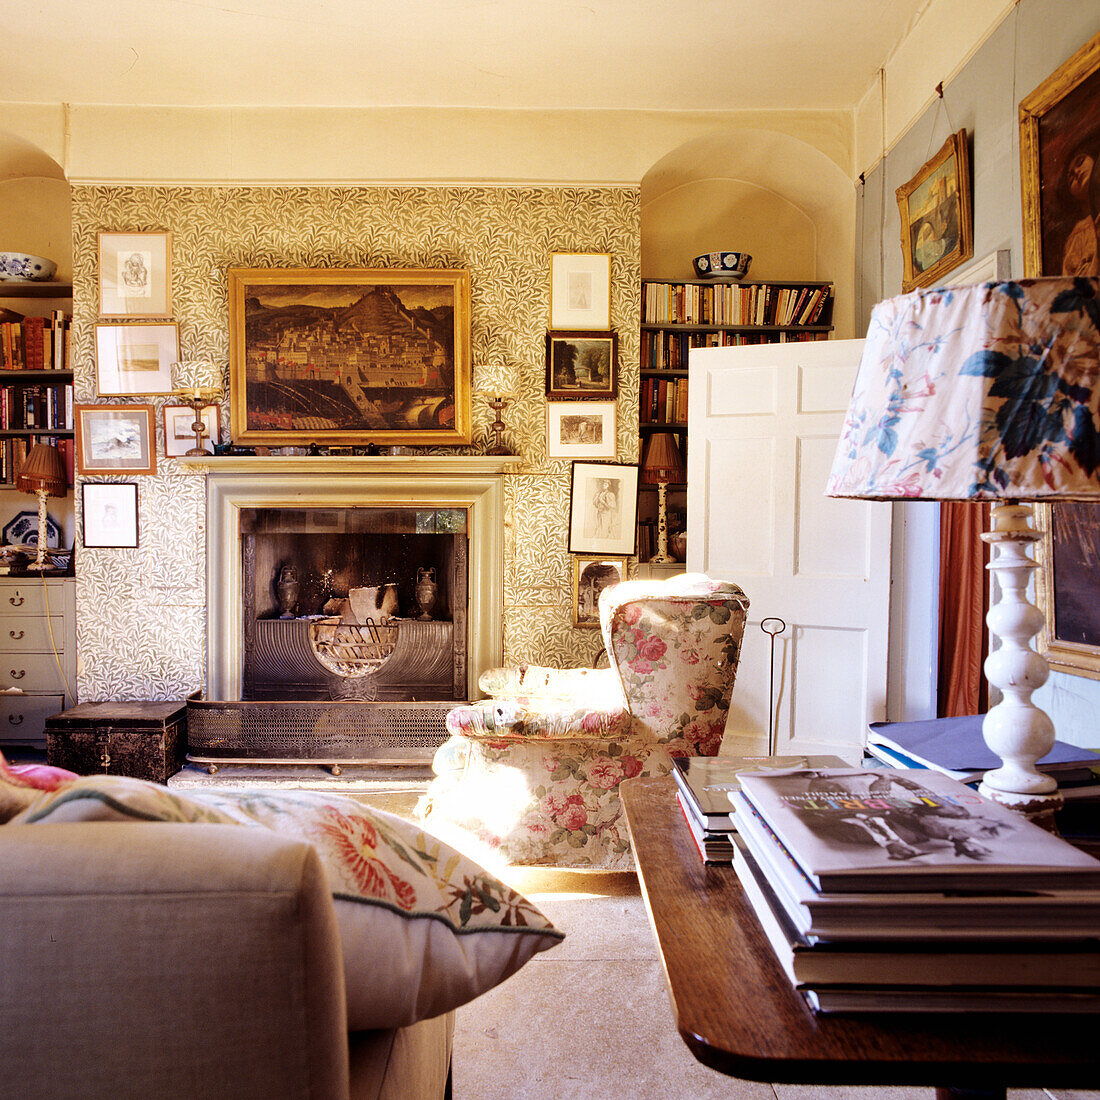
point(736, 1010)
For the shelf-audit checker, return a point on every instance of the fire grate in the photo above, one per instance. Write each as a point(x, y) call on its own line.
point(323, 732)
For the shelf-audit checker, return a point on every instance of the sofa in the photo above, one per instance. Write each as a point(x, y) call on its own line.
point(155, 945)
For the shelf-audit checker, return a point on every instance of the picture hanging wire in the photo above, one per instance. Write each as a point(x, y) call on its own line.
point(777, 627)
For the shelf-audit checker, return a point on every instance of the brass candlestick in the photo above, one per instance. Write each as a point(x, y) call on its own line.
point(497, 403)
point(198, 398)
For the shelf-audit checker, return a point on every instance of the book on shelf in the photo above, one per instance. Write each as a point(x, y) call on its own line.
point(714, 847)
point(707, 781)
point(1020, 962)
point(871, 830)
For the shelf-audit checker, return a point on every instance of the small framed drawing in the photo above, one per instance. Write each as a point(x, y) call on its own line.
point(582, 364)
point(580, 429)
point(937, 228)
point(603, 508)
point(110, 514)
point(580, 290)
point(115, 439)
point(179, 432)
point(591, 575)
point(135, 360)
point(135, 277)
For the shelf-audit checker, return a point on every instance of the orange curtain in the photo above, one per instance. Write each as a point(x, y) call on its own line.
point(964, 603)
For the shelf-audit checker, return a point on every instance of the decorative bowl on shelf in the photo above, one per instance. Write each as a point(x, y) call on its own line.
point(25, 268)
point(678, 545)
point(722, 265)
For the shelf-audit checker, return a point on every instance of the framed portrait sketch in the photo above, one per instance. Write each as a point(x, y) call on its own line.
point(179, 435)
point(115, 439)
point(591, 575)
point(1059, 173)
point(582, 364)
point(603, 508)
point(349, 356)
point(135, 360)
point(937, 227)
point(1069, 553)
point(580, 290)
point(110, 514)
point(580, 429)
point(135, 274)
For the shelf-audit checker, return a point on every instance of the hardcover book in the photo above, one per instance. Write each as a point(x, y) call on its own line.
point(856, 829)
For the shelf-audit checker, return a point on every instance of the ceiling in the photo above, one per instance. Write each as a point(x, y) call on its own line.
point(530, 54)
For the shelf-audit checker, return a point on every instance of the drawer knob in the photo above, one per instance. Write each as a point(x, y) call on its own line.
point(15, 601)
point(18, 675)
point(15, 719)
point(13, 634)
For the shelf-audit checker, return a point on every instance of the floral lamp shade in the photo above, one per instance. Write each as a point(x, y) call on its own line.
point(986, 392)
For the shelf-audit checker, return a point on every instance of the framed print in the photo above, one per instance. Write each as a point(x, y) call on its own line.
point(1059, 171)
point(179, 435)
point(580, 429)
point(115, 439)
point(110, 514)
point(603, 508)
point(349, 356)
point(580, 290)
point(1069, 549)
point(135, 278)
point(135, 360)
point(937, 227)
point(582, 364)
point(591, 575)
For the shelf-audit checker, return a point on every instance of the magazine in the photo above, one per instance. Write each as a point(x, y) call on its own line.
point(858, 829)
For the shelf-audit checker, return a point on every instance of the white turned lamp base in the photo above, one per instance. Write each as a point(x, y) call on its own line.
point(1015, 729)
point(662, 557)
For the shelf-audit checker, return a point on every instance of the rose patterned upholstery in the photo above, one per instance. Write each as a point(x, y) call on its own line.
point(534, 771)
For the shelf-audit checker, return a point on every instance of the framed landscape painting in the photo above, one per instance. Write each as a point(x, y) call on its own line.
point(937, 228)
point(582, 364)
point(349, 356)
point(115, 439)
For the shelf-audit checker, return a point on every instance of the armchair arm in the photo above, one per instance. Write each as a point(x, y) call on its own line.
point(536, 682)
point(511, 719)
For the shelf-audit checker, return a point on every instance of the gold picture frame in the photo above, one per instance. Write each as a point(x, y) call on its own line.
point(135, 274)
point(349, 356)
point(1058, 127)
point(937, 220)
point(592, 573)
point(115, 439)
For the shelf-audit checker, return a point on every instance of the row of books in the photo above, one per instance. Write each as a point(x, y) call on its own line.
point(36, 343)
point(905, 890)
point(14, 451)
point(664, 401)
point(732, 304)
point(29, 407)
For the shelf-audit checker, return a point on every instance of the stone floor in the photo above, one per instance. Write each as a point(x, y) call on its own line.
point(591, 1020)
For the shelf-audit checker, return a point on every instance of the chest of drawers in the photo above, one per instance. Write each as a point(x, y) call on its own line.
point(37, 655)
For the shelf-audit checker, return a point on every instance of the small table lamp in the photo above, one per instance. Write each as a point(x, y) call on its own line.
point(986, 393)
point(198, 385)
point(661, 464)
point(43, 473)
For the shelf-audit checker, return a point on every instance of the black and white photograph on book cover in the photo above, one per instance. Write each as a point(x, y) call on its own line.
point(854, 828)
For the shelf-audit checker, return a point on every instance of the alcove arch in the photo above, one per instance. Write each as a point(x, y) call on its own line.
point(35, 204)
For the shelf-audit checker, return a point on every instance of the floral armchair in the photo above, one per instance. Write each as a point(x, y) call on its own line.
point(535, 770)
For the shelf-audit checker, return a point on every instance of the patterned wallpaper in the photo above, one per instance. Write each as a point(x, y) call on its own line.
point(141, 612)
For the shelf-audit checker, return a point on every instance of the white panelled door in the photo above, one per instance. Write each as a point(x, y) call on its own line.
point(763, 423)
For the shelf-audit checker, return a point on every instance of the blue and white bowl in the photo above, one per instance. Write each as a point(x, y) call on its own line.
point(722, 265)
point(21, 267)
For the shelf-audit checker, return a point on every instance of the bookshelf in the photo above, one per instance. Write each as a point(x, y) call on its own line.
point(678, 315)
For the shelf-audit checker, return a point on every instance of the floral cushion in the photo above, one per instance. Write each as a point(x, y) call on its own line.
point(424, 929)
point(20, 784)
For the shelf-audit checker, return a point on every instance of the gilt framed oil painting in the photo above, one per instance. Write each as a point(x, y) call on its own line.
point(349, 356)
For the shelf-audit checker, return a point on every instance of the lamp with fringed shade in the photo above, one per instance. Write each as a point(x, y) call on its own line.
point(662, 463)
point(986, 393)
point(43, 473)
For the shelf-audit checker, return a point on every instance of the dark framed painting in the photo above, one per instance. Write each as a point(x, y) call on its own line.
point(349, 356)
point(937, 226)
point(582, 364)
point(1069, 553)
point(591, 575)
point(1060, 168)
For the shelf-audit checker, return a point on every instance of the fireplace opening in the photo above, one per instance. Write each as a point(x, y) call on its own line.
point(359, 603)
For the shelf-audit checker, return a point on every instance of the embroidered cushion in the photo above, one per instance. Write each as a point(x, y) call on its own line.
point(424, 929)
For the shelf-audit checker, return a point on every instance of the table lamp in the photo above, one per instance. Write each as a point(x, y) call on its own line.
point(986, 393)
point(43, 473)
point(198, 385)
point(661, 464)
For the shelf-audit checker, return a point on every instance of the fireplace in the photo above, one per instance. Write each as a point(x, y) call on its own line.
point(345, 660)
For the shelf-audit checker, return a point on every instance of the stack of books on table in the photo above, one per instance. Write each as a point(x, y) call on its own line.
point(905, 890)
point(704, 784)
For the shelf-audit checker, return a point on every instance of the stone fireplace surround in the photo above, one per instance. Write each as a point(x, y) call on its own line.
point(471, 482)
